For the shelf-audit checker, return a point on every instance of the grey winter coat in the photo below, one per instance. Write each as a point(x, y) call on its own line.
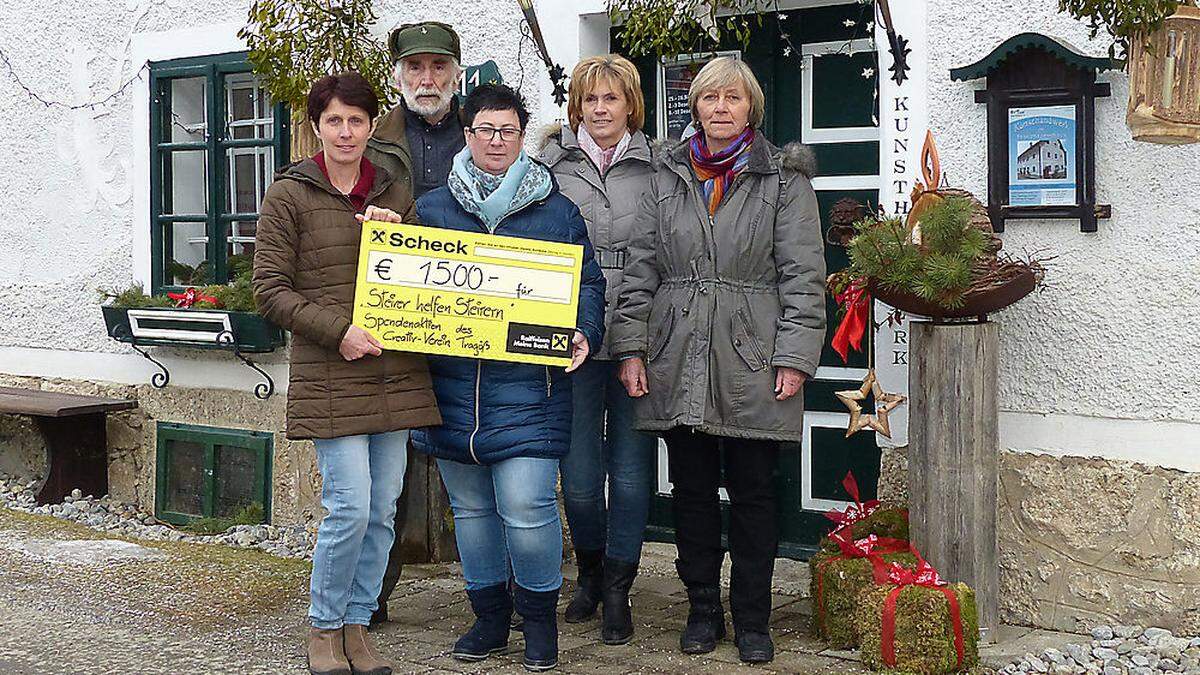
point(714, 305)
point(608, 204)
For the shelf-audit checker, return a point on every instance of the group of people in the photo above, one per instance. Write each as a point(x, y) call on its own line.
point(701, 315)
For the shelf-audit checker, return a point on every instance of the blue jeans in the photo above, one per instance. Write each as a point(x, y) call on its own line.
point(607, 446)
point(506, 518)
point(361, 480)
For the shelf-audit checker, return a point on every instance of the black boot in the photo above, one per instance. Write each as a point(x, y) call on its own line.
point(754, 646)
point(380, 615)
point(587, 592)
point(540, 611)
point(391, 576)
point(617, 626)
point(493, 609)
point(705, 622)
point(517, 623)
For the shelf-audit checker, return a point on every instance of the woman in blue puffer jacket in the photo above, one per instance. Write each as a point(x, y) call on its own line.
point(506, 425)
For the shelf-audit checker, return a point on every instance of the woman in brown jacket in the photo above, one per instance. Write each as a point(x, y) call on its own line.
point(354, 401)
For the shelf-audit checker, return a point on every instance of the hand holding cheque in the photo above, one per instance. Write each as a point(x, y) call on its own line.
point(469, 294)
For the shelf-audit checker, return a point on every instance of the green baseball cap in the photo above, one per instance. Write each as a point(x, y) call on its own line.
point(427, 37)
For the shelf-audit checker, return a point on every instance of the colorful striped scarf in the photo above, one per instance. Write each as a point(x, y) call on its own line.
point(717, 171)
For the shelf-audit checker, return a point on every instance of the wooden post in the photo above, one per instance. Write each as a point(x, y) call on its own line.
point(428, 534)
point(953, 464)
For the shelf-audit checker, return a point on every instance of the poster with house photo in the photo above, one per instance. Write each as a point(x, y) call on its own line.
point(1041, 156)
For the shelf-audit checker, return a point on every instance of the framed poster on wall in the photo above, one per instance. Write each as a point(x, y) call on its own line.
point(675, 75)
point(1041, 156)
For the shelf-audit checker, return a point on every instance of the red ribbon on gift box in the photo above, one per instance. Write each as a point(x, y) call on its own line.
point(872, 548)
point(857, 304)
point(924, 575)
point(856, 511)
point(190, 297)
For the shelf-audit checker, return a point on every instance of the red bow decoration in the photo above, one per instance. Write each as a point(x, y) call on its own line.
point(190, 297)
point(856, 303)
point(853, 513)
point(860, 548)
point(870, 547)
point(924, 575)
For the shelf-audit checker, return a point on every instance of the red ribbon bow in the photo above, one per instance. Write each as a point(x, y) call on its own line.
point(924, 575)
point(857, 303)
point(859, 548)
point(190, 297)
point(856, 511)
point(872, 548)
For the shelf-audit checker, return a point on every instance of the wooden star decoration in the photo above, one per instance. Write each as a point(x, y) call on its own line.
point(884, 404)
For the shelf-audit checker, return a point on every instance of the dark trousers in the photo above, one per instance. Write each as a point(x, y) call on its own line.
point(696, 460)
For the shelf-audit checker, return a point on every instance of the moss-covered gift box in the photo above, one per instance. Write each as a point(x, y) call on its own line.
point(835, 583)
point(924, 633)
point(891, 523)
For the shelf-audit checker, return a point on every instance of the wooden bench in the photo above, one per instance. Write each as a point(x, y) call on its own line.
point(76, 439)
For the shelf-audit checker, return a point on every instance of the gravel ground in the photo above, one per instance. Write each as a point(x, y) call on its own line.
point(178, 608)
point(77, 600)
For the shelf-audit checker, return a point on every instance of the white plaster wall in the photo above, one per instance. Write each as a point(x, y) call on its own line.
point(74, 191)
point(1114, 335)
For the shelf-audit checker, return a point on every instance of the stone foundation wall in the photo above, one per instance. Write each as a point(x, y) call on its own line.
point(23, 452)
point(296, 485)
point(1087, 541)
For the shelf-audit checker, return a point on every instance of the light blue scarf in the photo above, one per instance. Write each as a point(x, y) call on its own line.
point(493, 198)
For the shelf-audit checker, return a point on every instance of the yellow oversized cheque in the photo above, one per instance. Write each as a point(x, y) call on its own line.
point(455, 293)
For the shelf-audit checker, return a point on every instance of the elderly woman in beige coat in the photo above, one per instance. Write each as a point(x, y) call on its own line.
point(601, 160)
point(720, 321)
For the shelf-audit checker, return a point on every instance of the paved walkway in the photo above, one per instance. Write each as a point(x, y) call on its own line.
point(72, 601)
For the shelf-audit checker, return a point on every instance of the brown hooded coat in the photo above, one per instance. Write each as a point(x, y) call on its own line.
point(305, 267)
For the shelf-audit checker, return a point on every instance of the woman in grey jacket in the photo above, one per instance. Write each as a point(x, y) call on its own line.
point(720, 320)
point(602, 162)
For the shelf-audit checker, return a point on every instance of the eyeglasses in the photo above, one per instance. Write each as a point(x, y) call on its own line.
point(507, 134)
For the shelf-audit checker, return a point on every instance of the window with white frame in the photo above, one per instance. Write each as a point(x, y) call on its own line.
point(216, 139)
point(838, 92)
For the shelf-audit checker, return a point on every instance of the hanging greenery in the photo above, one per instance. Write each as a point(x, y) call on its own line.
point(295, 42)
point(1122, 19)
point(667, 27)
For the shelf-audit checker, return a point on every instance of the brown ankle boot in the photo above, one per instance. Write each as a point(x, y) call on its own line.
point(326, 655)
point(364, 660)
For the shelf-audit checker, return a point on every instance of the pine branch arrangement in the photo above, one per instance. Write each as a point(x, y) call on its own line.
point(939, 266)
point(236, 296)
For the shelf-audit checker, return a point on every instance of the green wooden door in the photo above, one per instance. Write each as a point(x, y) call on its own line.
point(820, 90)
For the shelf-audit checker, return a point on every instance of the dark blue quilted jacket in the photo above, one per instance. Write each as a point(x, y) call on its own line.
point(494, 410)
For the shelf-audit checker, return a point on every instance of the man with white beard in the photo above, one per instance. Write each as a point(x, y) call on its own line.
point(417, 141)
point(420, 136)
